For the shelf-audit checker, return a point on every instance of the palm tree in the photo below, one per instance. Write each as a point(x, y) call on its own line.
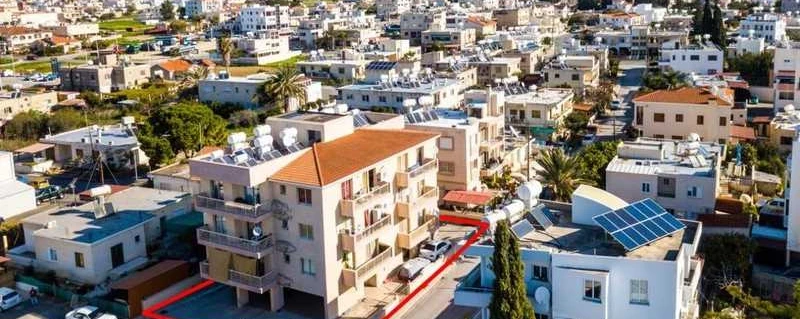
point(561, 172)
point(194, 76)
point(225, 48)
point(675, 80)
point(284, 85)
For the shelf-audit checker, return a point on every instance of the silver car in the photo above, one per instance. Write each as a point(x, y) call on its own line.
point(434, 249)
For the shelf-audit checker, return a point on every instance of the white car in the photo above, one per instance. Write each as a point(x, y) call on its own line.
point(616, 105)
point(774, 206)
point(9, 298)
point(432, 250)
point(88, 312)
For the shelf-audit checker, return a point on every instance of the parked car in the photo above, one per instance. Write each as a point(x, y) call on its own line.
point(588, 139)
point(88, 312)
point(412, 268)
point(48, 193)
point(434, 249)
point(9, 298)
point(616, 104)
point(773, 206)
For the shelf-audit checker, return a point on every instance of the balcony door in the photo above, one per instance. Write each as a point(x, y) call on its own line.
point(117, 255)
point(347, 189)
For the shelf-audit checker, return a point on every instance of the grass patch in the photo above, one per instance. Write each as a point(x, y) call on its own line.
point(124, 26)
point(32, 67)
point(245, 70)
point(290, 62)
point(10, 144)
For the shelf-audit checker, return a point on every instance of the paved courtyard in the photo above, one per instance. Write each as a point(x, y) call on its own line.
point(219, 302)
point(48, 308)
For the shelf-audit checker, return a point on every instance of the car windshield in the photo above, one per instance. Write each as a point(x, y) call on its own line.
point(430, 247)
point(95, 314)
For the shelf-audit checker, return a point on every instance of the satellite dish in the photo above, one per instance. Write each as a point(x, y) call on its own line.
point(542, 296)
point(257, 232)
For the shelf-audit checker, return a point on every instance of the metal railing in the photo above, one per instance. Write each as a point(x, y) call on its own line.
point(378, 190)
point(374, 262)
point(234, 208)
point(255, 247)
point(350, 206)
point(366, 232)
point(256, 283)
point(426, 166)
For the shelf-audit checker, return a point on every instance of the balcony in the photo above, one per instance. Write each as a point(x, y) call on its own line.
point(252, 213)
point(784, 86)
point(690, 283)
point(491, 143)
point(428, 198)
point(367, 269)
point(412, 239)
point(404, 179)
point(532, 122)
point(252, 248)
point(257, 284)
point(361, 202)
point(350, 238)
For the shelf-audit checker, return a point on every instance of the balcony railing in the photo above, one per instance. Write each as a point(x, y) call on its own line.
point(412, 239)
point(351, 276)
point(253, 248)
point(349, 207)
point(405, 207)
point(350, 238)
point(258, 284)
point(404, 178)
point(239, 210)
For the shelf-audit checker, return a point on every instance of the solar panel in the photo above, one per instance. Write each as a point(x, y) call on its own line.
point(360, 120)
point(410, 118)
point(426, 116)
point(639, 224)
point(541, 218)
point(522, 228)
point(417, 117)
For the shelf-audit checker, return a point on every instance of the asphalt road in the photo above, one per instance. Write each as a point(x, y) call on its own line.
point(615, 120)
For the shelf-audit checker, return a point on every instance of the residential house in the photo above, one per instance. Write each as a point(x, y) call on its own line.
point(698, 58)
point(16, 197)
point(673, 114)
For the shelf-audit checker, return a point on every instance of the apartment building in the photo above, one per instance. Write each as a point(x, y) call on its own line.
point(342, 69)
point(387, 8)
point(537, 112)
point(258, 18)
point(414, 22)
point(768, 26)
point(640, 41)
point(783, 128)
point(792, 197)
point(13, 103)
point(403, 94)
point(576, 71)
point(104, 75)
point(673, 114)
point(101, 240)
point(575, 269)
point(244, 90)
point(17, 197)
point(313, 226)
point(682, 176)
point(745, 45)
point(490, 69)
point(529, 58)
point(620, 20)
point(77, 30)
point(511, 17)
point(599, 51)
point(496, 150)
point(698, 58)
point(200, 8)
point(452, 40)
point(264, 48)
point(786, 64)
point(650, 13)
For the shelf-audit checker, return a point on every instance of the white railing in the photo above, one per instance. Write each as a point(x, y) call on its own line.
point(255, 247)
point(371, 229)
point(374, 262)
point(425, 167)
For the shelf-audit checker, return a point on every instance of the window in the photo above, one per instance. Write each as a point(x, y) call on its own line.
point(700, 120)
point(285, 224)
point(786, 95)
point(304, 196)
point(694, 57)
point(639, 292)
point(658, 117)
point(137, 238)
point(282, 189)
point(694, 192)
point(679, 118)
point(677, 137)
point(382, 99)
point(536, 114)
point(786, 140)
point(575, 77)
point(591, 290)
point(306, 231)
point(445, 143)
point(307, 267)
point(52, 254)
point(645, 187)
point(79, 260)
point(287, 258)
point(365, 98)
point(712, 57)
point(658, 136)
point(723, 121)
point(447, 168)
point(540, 273)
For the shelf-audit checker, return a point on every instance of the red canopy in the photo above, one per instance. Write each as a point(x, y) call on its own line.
point(469, 197)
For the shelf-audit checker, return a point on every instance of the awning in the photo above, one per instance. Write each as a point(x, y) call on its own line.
point(742, 132)
point(34, 148)
point(469, 197)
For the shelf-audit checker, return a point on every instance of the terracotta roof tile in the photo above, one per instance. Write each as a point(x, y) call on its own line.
point(743, 132)
point(176, 65)
point(469, 197)
point(330, 161)
point(481, 21)
point(686, 95)
point(15, 30)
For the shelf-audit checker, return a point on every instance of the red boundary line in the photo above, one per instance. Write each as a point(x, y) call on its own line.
point(151, 312)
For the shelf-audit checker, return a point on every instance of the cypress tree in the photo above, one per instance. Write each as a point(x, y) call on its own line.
point(719, 36)
point(708, 18)
point(509, 300)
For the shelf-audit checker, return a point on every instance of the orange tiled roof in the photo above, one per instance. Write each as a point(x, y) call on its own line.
point(61, 40)
point(583, 107)
point(686, 95)
point(330, 161)
point(176, 65)
point(469, 197)
point(15, 30)
point(480, 21)
point(742, 132)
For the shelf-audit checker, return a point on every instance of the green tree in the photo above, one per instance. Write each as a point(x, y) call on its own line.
point(225, 48)
point(718, 32)
point(284, 86)
point(130, 10)
point(188, 127)
point(707, 18)
point(26, 125)
point(764, 308)
point(576, 123)
point(158, 149)
point(167, 11)
point(243, 118)
point(751, 67)
point(436, 46)
point(664, 80)
point(178, 26)
point(509, 299)
point(561, 173)
point(65, 120)
point(594, 159)
point(727, 260)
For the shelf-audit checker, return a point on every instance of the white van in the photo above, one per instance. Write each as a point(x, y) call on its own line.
point(9, 298)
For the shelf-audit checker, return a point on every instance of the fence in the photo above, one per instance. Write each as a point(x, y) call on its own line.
point(116, 308)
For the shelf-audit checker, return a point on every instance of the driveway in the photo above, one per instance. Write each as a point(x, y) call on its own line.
point(48, 308)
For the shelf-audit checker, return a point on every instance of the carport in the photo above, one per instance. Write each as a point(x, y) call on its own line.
point(136, 288)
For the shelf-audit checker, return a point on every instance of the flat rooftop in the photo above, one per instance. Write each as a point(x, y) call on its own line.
point(316, 117)
point(423, 87)
point(676, 158)
point(786, 120)
point(440, 118)
point(541, 96)
point(112, 135)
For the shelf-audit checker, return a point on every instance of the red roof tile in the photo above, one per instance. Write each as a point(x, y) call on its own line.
point(743, 132)
point(469, 197)
point(686, 95)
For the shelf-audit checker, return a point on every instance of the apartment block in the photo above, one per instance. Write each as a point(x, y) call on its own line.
point(495, 148)
point(258, 18)
point(768, 26)
point(703, 58)
point(13, 103)
point(450, 39)
point(783, 128)
point(786, 70)
point(575, 269)
point(415, 21)
point(244, 90)
point(491, 69)
point(17, 197)
point(578, 72)
point(200, 8)
point(538, 112)
point(403, 94)
point(620, 20)
point(313, 212)
point(673, 114)
point(681, 176)
point(392, 7)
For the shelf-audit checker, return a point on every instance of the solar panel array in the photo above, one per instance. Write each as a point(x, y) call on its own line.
point(251, 156)
point(540, 216)
point(639, 224)
point(522, 228)
point(421, 117)
point(359, 120)
point(516, 89)
point(381, 65)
